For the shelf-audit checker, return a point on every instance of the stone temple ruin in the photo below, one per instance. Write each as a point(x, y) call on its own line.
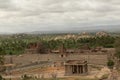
point(76, 67)
point(74, 61)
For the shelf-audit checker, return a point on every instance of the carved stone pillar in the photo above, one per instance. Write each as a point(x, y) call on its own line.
point(77, 69)
point(72, 69)
point(82, 69)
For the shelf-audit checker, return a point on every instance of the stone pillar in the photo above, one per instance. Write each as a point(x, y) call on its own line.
point(77, 69)
point(72, 69)
point(82, 69)
point(86, 68)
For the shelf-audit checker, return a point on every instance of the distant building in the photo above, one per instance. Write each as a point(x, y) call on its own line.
point(36, 48)
point(76, 67)
point(55, 51)
point(70, 51)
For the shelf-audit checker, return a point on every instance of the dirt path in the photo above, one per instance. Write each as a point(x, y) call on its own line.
point(114, 75)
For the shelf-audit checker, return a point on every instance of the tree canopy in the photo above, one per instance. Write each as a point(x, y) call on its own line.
point(17, 45)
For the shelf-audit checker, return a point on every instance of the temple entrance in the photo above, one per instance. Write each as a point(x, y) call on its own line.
point(76, 67)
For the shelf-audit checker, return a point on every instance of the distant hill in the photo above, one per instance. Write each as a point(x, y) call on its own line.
point(111, 28)
point(74, 29)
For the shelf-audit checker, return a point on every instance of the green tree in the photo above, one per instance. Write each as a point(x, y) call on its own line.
point(110, 64)
point(1, 78)
point(1, 63)
point(117, 53)
point(26, 77)
point(117, 48)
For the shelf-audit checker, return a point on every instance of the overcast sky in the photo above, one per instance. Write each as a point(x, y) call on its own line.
point(39, 15)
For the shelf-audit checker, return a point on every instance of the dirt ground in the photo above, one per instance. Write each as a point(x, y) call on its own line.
point(59, 72)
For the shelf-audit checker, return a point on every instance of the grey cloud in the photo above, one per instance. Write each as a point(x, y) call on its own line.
point(30, 13)
point(6, 5)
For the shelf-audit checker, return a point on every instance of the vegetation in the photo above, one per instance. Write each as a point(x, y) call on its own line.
point(16, 44)
point(1, 78)
point(110, 64)
point(1, 62)
point(117, 54)
point(71, 78)
point(26, 77)
point(11, 46)
point(96, 67)
point(117, 47)
point(104, 76)
point(107, 42)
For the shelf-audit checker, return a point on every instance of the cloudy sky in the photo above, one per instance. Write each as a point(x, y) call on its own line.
point(40, 15)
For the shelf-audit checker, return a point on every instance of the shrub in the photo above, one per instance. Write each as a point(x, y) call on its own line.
point(110, 64)
point(1, 78)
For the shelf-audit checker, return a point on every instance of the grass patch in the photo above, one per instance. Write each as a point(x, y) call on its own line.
point(105, 76)
point(65, 79)
point(96, 67)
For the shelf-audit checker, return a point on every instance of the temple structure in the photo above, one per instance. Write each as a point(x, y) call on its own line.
point(76, 67)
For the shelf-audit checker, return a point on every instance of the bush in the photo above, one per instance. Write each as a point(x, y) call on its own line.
point(1, 78)
point(110, 64)
point(26, 77)
point(105, 76)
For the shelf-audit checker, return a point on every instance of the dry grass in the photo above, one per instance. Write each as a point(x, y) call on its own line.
point(66, 79)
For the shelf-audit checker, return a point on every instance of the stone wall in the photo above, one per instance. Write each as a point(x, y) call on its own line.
point(26, 59)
